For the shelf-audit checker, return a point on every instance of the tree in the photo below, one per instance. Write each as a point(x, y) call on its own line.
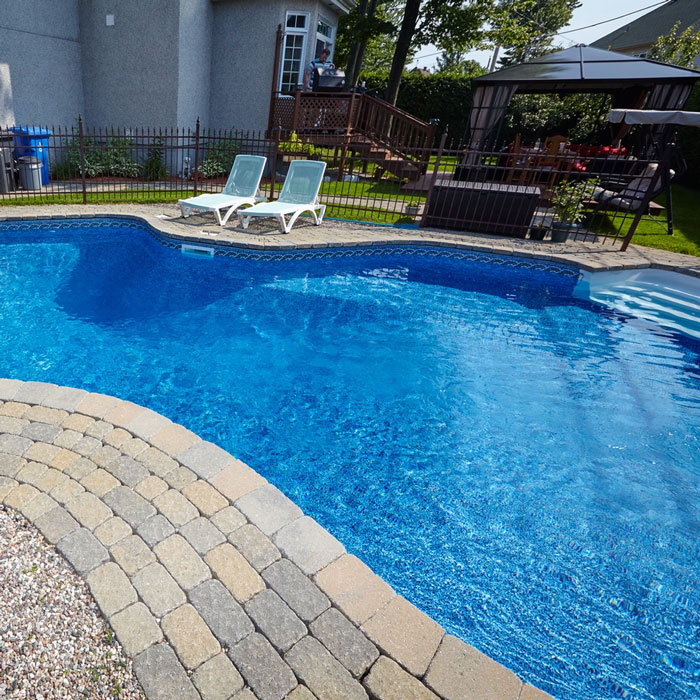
point(455, 62)
point(539, 24)
point(679, 48)
point(453, 25)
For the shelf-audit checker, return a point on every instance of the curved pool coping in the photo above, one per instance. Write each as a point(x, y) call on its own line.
point(127, 496)
point(210, 577)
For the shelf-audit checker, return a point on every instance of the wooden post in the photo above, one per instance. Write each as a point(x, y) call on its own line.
point(196, 157)
point(275, 77)
point(433, 179)
point(81, 141)
point(295, 114)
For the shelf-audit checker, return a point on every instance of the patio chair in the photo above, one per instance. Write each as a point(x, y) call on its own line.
point(631, 197)
point(299, 194)
point(241, 189)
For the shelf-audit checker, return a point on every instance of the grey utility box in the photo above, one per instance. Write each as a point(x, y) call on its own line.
point(29, 172)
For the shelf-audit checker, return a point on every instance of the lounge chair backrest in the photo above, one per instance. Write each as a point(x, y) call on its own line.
point(244, 178)
point(637, 188)
point(303, 182)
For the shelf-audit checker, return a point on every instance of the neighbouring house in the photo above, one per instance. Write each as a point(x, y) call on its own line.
point(637, 37)
point(160, 63)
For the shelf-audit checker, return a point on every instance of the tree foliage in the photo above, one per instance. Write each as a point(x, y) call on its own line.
point(455, 62)
point(539, 23)
point(679, 48)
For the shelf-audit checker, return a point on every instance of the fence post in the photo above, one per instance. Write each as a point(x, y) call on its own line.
point(196, 156)
point(273, 173)
point(433, 179)
point(81, 141)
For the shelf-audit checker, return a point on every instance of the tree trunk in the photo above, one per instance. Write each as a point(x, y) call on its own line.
point(403, 44)
point(354, 62)
point(362, 45)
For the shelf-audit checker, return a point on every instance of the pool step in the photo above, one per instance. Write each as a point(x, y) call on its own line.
point(669, 299)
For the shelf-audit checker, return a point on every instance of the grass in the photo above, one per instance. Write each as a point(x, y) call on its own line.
point(653, 234)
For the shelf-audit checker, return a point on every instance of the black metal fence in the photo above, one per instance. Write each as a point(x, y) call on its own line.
point(550, 190)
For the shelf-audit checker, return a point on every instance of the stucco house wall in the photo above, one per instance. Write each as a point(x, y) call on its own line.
point(40, 62)
point(243, 59)
point(145, 63)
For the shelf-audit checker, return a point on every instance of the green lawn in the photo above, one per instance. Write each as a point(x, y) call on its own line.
point(686, 225)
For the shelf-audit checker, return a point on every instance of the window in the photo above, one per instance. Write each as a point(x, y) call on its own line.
point(325, 32)
point(293, 50)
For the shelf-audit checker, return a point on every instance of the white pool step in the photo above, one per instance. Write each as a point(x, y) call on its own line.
point(668, 298)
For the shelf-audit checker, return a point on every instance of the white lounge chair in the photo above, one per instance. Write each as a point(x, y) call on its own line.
point(241, 189)
point(299, 194)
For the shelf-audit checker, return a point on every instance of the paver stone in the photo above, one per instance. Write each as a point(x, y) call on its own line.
point(190, 636)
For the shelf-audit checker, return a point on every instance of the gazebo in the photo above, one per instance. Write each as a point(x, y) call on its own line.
point(633, 82)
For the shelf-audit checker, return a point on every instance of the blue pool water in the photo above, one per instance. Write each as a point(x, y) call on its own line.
point(521, 464)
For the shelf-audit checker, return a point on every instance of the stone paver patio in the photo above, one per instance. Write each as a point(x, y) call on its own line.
point(215, 583)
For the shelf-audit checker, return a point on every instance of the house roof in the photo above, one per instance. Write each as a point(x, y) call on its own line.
point(586, 69)
point(645, 30)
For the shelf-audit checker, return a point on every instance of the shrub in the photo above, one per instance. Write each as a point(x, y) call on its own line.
point(153, 168)
point(219, 159)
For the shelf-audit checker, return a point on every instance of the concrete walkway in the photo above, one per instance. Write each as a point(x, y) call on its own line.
point(215, 583)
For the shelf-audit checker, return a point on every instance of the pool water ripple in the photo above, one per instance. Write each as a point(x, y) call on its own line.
point(521, 464)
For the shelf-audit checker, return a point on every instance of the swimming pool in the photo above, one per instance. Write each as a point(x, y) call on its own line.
point(521, 464)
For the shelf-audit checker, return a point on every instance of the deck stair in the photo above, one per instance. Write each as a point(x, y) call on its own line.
point(361, 125)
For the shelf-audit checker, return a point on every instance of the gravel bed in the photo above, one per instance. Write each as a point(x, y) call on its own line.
point(54, 642)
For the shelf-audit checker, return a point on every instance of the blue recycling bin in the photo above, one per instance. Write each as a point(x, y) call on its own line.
point(33, 141)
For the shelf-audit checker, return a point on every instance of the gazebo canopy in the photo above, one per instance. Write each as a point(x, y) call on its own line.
point(633, 82)
point(587, 69)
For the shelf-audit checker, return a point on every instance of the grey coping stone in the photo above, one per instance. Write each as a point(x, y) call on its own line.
point(55, 524)
point(83, 550)
point(227, 520)
point(323, 674)
point(127, 470)
point(162, 676)
point(147, 423)
point(14, 444)
point(205, 459)
point(9, 388)
point(301, 594)
point(64, 397)
point(220, 610)
point(344, 641)
point(129, 505)
point(386, 680)
point(11, 464)
point(257, 548)
point(158, 589)
point(460, 672)
point(263, 668)
point(202, 535)
point(217, 679)
point(111, 588)
point(33, 392)
point(155, 529)
point(275, 619)
point(268, 508)
point(136, 628)
point(41, 432)
point(308, 545)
